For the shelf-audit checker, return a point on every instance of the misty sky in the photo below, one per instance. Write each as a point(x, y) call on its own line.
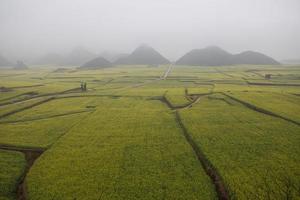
point(30, 28)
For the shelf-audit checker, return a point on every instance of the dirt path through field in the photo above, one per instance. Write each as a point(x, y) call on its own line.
point(30, 97)
point(209, 169)
point(26, 107)
point(31, 154)
point(46, 117)
point(163, 77)
point(167, 72)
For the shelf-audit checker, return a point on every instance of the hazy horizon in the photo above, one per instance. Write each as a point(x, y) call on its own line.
point(32, 28)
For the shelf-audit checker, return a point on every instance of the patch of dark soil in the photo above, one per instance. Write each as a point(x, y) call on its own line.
point(5, 89)
point(296, 94)
point(90, 106)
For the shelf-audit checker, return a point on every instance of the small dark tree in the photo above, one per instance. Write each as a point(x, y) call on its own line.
point(267, 76)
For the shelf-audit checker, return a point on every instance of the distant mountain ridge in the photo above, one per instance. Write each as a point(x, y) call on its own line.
point(143, 55)
point(78, 56)
point(215, 56)
point(112, 57)
point(96, 63)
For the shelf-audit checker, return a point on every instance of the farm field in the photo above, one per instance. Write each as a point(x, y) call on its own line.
point(206, 133)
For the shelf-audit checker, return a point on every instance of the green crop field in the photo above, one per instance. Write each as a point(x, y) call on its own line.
point(199, 133)
point(12, 165)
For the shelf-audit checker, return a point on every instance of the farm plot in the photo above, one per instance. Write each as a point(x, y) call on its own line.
point(117, 141)
point(53, 108)
point(12, 108)
point(283, 104)
point(43, 124)
point(257, 155)
point(177, 96)
point(128, 149)
point(12, 165)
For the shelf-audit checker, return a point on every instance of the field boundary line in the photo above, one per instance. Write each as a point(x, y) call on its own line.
point(273, 84)
point(73, 90)
point(26, 107)
point(45, 117)
point(195, 99)
point(209, 169)
point(260, 110)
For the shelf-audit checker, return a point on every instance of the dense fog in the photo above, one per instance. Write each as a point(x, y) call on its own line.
point(32, 28)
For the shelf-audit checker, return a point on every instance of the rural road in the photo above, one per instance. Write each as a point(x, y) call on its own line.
point(165, 75)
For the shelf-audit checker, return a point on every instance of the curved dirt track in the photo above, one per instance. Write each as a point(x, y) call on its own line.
point(210, 170)
point(31, 154)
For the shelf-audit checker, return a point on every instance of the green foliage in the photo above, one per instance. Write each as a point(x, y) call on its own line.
point(12, 165)
point(244, 146)
point(118, 141)
point(127, 149)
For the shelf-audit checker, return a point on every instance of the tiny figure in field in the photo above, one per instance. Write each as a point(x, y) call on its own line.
point(83, 86)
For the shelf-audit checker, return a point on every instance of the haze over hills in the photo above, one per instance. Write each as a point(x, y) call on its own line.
point(112, 57)
point(97, 63)
point(50, 58)
point(215, 56)
point(143, 55)
point(4, 62)
point(146, 55)
point(77, 56)
point(253, 58)
point(208, 56)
